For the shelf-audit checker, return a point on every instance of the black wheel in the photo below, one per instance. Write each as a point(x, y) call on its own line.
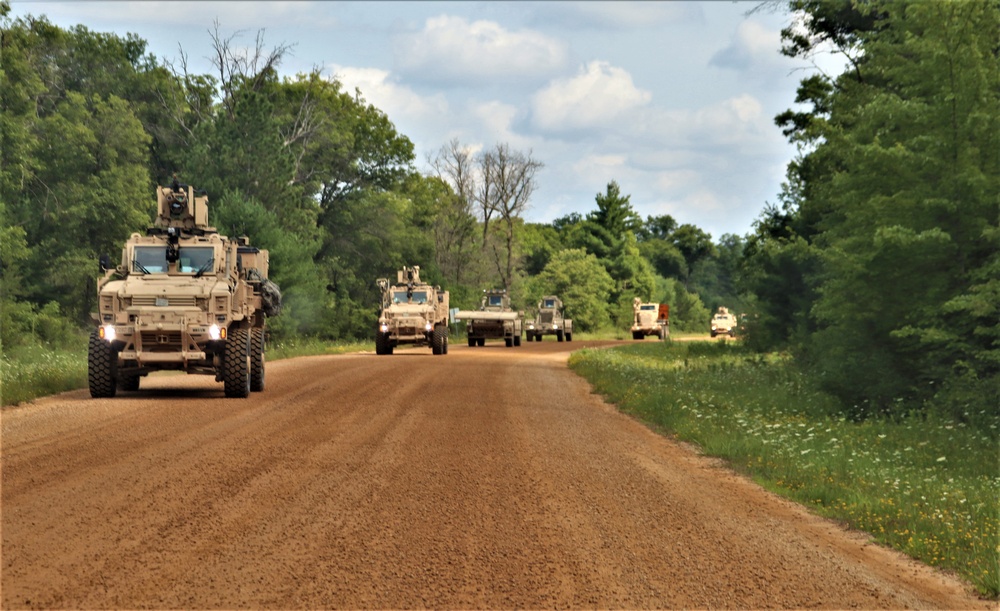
point(569, 337)
point(559, 335)
point(517, 340)
point(437, 340)
point(236, 365)
point(481, 341)
point(508, 341)
point(472, 342)
point(102, 367)
point(256, 360)
point(529, 336)
point(381, 343)
point(636, 335)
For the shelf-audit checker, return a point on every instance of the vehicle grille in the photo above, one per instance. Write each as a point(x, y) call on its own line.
point(545, 317)
point(161, 341)
point(149, 301)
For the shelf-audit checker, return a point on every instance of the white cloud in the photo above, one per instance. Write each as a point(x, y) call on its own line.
point(396, 100)
point(451, 50)
point(598, 95)
point(753, 45)
point(616, 15)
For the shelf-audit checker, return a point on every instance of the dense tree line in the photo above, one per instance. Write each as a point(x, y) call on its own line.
point(878, 266)
point(881, 265)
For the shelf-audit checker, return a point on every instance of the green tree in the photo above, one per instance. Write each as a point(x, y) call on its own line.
point(583, 284)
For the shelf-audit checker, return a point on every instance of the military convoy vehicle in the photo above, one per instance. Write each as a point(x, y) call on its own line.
point(549, 321)
point(650, 319)
point(412, 312)
point(183, 298)
point(495, 319)
point(723, 323)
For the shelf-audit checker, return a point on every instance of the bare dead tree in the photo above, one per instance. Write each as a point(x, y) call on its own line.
point(238, 68)
point(507, 180)
point(454, 231)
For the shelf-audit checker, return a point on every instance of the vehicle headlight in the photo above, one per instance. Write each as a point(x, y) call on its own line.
point(107, 333)
point(214, 332)
point(428, 326)
point(384, 328)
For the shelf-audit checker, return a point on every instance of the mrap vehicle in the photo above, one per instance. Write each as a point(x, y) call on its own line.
point(495, 319)
point(183, 298)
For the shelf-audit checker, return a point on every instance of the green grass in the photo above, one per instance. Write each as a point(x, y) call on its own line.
point(924, 485)
point(29, 372)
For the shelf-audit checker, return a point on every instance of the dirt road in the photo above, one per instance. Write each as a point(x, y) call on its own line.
point(486, 478)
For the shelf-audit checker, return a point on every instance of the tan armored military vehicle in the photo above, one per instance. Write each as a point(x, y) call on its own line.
point(723, 323)
point(650, 319)
point(183, 298)
point(549, 321)
point(413, 312)
point(495, 319)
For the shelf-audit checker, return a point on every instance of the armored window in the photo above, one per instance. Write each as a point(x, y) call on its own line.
point(495, 300)
point(399, 296)
point(195, 259)
point(149, 259)
point(419, 296)
point(549, 303)
point(648, 307)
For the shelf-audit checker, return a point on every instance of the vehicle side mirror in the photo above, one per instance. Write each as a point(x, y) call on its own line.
point(105, 262)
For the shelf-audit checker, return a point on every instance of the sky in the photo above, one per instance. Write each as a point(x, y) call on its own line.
point(675, 101)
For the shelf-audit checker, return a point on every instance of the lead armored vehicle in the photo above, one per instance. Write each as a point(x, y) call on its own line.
point(412, 312)
point(723, 323)
point(182, 298)
point(495, 319)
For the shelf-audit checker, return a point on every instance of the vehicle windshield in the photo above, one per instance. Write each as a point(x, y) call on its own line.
point(418, 297)
point(549, 303)
point(150, 259)
point(650, 308)
point(495, 300)
point(196, 259)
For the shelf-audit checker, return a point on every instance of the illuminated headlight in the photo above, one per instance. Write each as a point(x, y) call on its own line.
point(555, 326)
point(107, 332)
point(214, 332)
point(428, 326)
point(384, 328)
point(531, 326)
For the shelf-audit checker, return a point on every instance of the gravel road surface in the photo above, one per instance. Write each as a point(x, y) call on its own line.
point(486, 478)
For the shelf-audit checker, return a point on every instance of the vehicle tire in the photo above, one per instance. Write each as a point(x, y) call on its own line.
point(256, 360)
point(529, 337)
point(445, 349)
point(481, 341)
point(236, 365)
point(472, 342)
point(382, 343)
point(437, 340)
point(508, 341)
point(713, 333)
point(517, 340)
point(559, 335)
point(569, 337)
point(102, 367)
point(636, 335)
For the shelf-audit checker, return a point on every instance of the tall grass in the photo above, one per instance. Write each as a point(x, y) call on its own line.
point(923, 484)
point(31, 371)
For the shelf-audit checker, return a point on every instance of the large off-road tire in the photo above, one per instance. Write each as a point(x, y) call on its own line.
point(256, 360)
point(529, 337)
point(437, 339)
point(381, 343)
point(236, 365)
point(472, 342)
point(560, 336)
point(508, 341)
point(480, 341)
point(636, 335)
point(517, 340)
point(102, 367)
point(569, 336)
